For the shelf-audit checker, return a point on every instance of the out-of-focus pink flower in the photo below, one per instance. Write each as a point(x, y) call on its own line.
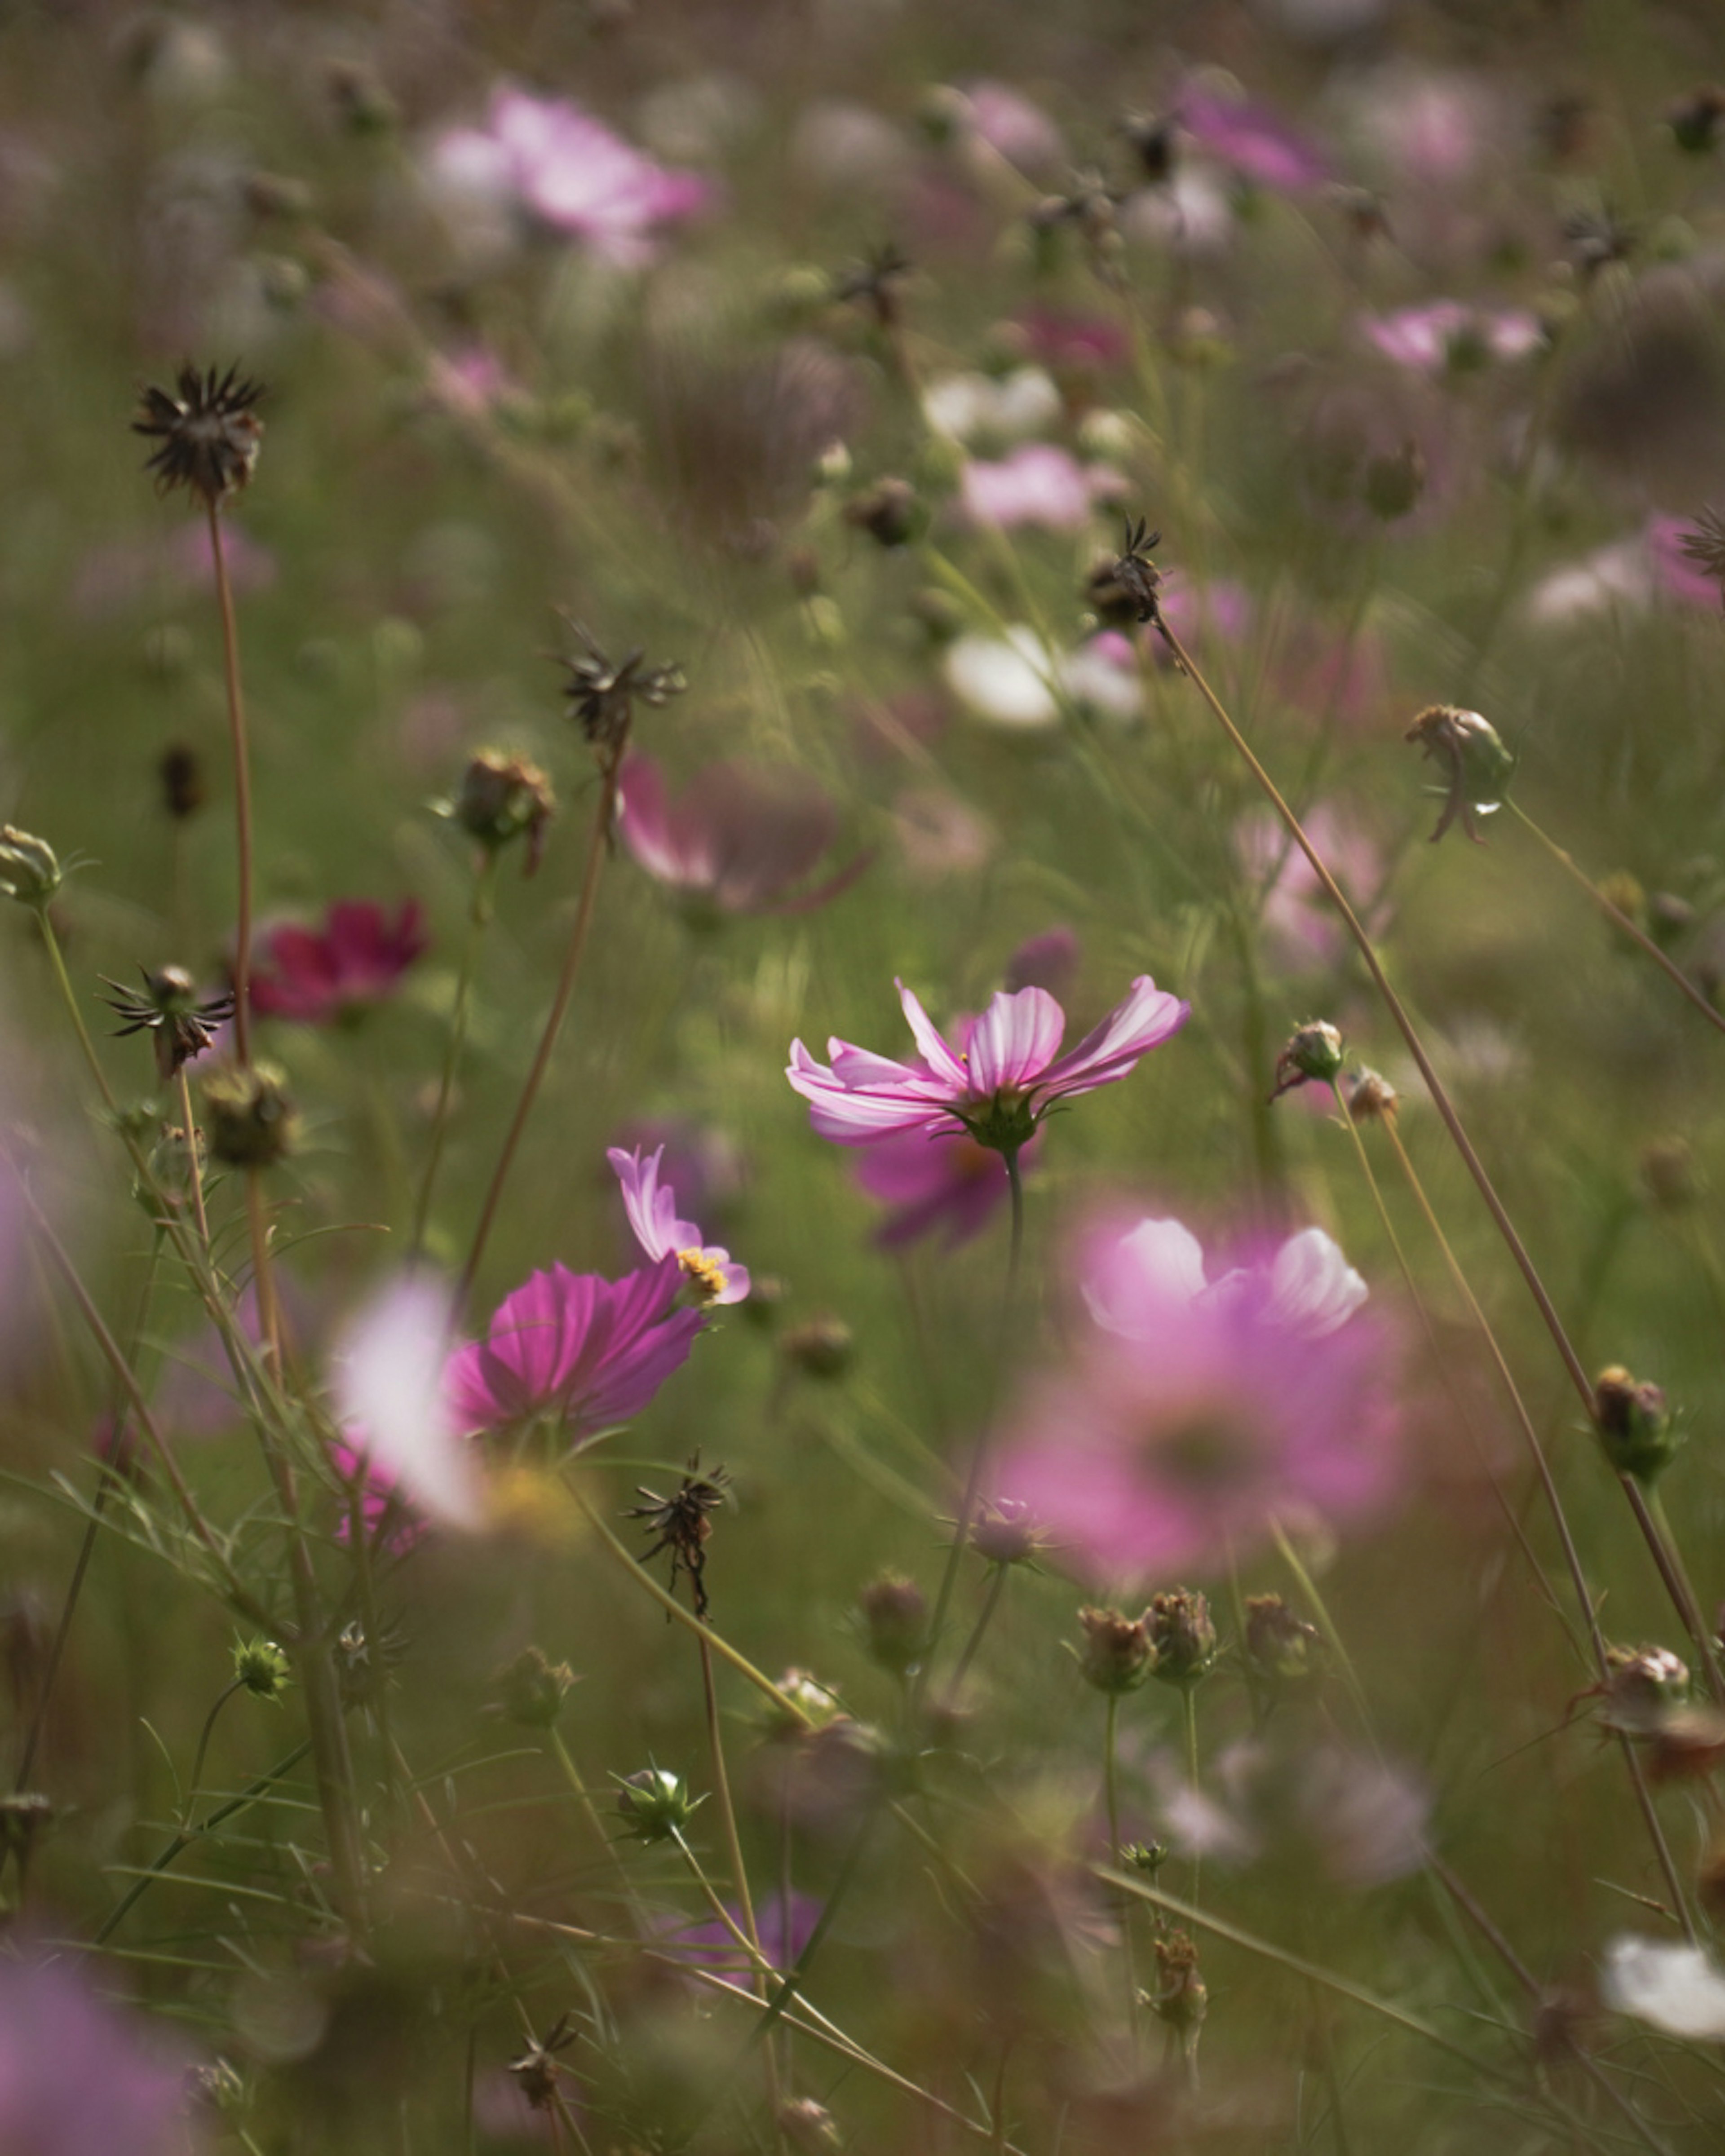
point(1449, 334)
point(784, 1925)
point(999, 1086)
point(1363, 1819)
point(1259, 144)
point(1038, 484)
point(1430, 128)
point(1016, 680)
point(939, 834)
point(124, 573)
point(1675, 572)
point(317, 975)
point(1300, 925)
point(549, 156)
point(652, 1208)
point(1011, 126)
point(708, 1168)
point(381, 1497)
point(1073, 344)
point(591, 1351)
point(1198, 1412)
point(949, 1187)
point(468, 383)
point(737, 840)
point(75, 2079)
point(1203, 615)
point(394, 1405)
point(1048, 961)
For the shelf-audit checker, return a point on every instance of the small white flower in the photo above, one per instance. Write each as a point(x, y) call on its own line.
point(1008, 409)
point(1007, 679)
point(389, 1391)
point(1676, 1988)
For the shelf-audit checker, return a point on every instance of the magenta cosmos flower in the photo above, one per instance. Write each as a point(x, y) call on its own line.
point(652, 1208)
point(319, 975)
point(949, 1187)
point(568, 170)
point(1200, 1411)
point(590, 1350)
point(1259, 144)
point(997, 1086)
point(737, 840)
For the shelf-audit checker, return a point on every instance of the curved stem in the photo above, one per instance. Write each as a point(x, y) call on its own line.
point(223, 1697)
point(597, 851)
point(985, 1617)
point(1675, 974)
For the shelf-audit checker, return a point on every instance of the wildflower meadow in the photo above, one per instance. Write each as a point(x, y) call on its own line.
point(861, 1076)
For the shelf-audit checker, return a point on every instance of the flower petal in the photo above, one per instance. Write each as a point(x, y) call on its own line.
point(1014, 1040)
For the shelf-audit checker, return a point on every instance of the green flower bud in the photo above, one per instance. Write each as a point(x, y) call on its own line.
point(655, 1804)
point(501, 799)
point(531, 1690)
point(1635, 1425)
point(1314, 1053)
point(1478, 764)
point(1183, 1636)
point(262, 1667)
point(1117, 1655)
point(248, 1119)
point(29, 871)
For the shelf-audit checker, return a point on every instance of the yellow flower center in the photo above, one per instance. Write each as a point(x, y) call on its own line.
point(706, 1275)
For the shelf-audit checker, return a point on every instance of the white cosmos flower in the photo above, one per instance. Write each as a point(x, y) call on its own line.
point(388, 1384)
point(1677, 1989)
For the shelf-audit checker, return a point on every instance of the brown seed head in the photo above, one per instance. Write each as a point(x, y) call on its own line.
point(208, 434)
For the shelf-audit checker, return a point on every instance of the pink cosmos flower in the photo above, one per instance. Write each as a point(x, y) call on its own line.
point(1450, 334)
point(737, 840)
point(1678, 575)
point(590, 1350)
point(317, 975)
point(568, 169)
point(998, 1087)
point(1073, 344)
point(380, 1501)
point(1199, 1411)
point(1257, 142)
point(75, 2079)
point(652, 1208)
point(950, 1187)
point(1300, 925)
point(1037, 484)
point(390, 1380)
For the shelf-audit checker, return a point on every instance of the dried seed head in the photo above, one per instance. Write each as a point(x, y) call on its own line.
point(1280, 1646)
point(1183, 1636)
point(1117, 1655)
point(603, 695)
point(209, 435)
point(501, 799)
point(1371, 1098)
point(1180, 1998)
point(1642, 1687)
point(1479, 765)
point(683, 1523)
point(169, 1011)
point(181, 774)
point(531, 1690)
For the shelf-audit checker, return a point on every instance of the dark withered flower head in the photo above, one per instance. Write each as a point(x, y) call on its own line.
point(169, 1010)
point(1479, 765)
point(1697, 120)
point(1088, 208)
point(1154, 141)
point(602, 695)
point(182, 777)
point(1593, 238)
point(209, 432)
point(535, 2071)
point(876, 284)
point(1705, 546)
point(1371, 1098)
point(1124, 589)
point(683, 1525)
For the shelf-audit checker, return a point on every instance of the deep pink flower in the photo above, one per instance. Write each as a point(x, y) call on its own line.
point(1035, 483)
point(652, 1208)
point(570, 171)
point(737, 840)
point(74, 2079)
point(591, 1351)
point(1198, 1412)
point(1073, 344)
point(1258, 143)
point(784, 1927)
point(319, 975)
point(1678, 575)
point(998, 1087)
point(1450, 334)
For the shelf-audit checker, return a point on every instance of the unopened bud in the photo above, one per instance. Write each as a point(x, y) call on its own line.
point(531, 1690)
point(249, 1117)
point(1117, 1655)
point(1280, 1646)
point(1006, 1533)
point(1183, 1636)
point(655, 1804)
point(262, 1667)
point(1313, 1052)
point(1478, 763)
point(895, 1622)
point(1635, 1425)
point(891, 512)
point(501, 798)
point(1641, 1688)
point(29, 871)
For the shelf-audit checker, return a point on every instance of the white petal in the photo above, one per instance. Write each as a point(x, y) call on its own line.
point(1004, 679)
point(388, 1385)
point(1676, 1988)
point(1313, 1289)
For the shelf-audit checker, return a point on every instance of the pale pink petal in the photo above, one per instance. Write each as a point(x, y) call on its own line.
point(1014, 1040)
point(936, 1053)
point(1144, 1021)
point(389, 1385)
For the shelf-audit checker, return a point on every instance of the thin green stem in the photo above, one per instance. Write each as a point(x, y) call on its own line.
point(479, 919)
point(222, 1699)
point(194, 1165)
point(1188, 1726)
point(597, 851)
point(985, 1617)
point(1614, 914)
point(1110, 1793)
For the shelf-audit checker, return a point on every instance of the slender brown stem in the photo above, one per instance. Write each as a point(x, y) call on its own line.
point(242, 790)
point(597, 851)
point(1644, 943)
point(194, 1165)
point(484, 886)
